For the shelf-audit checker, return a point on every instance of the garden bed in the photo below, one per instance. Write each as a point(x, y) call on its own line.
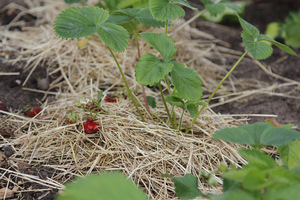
point(48, 152)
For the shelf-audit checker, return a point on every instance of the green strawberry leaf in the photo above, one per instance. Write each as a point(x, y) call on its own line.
point(258, 49)
point(193, 110)
point(175, 101)
point(290, 153)
point(102, 187)
point(151, 70)
point(164, 10)
point(215, 9)
point(184, 3)
point(145, 17)
point(76, 22)
point(186, 82)
point(257, 135)
point(162, 43)
point(129, 18)
point(248, 28)
point(186, 187)
point(278, 44)
point(114, 36)
point(151, 101)
point(257, 158)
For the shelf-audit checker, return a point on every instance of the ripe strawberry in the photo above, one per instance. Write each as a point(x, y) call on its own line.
point(72, 118)
point(111, 98)
point(90, 126)
point(31, 111)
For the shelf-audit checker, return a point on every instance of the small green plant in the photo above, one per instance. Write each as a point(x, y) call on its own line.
point(106, 186)
point(257, 44)
point(263, 178)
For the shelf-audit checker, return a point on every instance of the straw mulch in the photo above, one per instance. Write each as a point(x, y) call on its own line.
point(141, 150)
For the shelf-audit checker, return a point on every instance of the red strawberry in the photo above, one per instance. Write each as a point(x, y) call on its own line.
point(3, 106)
point(111, 98)
point(71, 117)
point(90, 126)
point(32, 111)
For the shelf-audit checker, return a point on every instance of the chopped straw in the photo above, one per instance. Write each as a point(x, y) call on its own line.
point(141, 150)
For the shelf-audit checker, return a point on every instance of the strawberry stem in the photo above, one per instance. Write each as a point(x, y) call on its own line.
point(126, 84)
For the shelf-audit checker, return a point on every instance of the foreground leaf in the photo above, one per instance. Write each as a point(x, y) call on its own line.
point(186, 82)
point(151, 70)
point(257, 158)
point(290, 153)
point(257, 135)
point(102, 187)
point(186, 187)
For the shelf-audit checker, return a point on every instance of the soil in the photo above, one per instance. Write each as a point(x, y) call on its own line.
point(259, 14)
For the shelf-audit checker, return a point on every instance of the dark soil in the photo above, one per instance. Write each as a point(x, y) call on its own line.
point(259, 14)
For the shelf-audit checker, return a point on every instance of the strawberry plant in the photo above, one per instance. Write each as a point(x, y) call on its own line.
point(102, 187)
point(76, 22)
point(263, 177)
point(255, 43)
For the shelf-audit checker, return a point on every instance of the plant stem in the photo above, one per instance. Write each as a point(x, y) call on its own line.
point(126, 84)
point(166, 32)
point(165, 104)
point(143, 87)
point(214, 92)
point(180, 121)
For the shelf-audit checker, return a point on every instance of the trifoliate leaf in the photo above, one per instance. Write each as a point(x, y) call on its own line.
point(102, 187)
point(163, 10)
point(258, 49)
point(76, 22)
point(151, 70)
point(162, 43)
point(175, 101)
point(186, 82)
point(114, 36)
